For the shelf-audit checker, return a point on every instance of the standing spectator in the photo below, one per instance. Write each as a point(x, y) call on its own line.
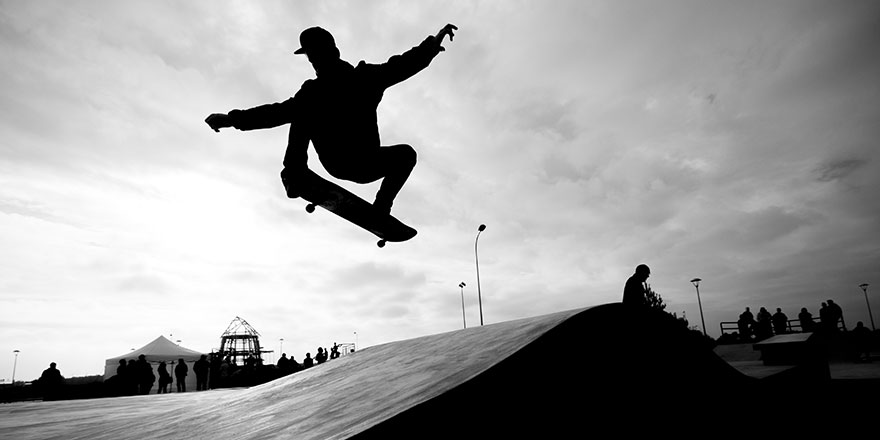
point(294, 365)
point(334, 352)
point(283, 363)
point(745, 324)
point(321, 357)
point(764, 325)
point(825, 317)
point(836, 315)
point(51, 382)
point(145, 376)
point(780, 322)
point(806, 319)
point(214, 376)
point(634, 289)
point(164, 378)
point(201, 368)
point(862, 341)
point(180, 372)
point(133, 379)
point(308, 362)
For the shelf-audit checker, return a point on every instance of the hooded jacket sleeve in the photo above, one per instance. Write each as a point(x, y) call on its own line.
point(268, 115)
point(401, 67)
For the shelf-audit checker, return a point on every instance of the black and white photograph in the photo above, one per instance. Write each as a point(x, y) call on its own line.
point(306, 219)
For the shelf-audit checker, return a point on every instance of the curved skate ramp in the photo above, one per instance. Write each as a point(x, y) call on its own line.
point(539, 374)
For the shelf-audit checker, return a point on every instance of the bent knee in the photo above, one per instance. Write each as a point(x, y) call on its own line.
point(406, 155)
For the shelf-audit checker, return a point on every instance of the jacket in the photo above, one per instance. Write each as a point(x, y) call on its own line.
point(337, 111)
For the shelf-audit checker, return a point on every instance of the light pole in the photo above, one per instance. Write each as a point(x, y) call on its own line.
point(864, 287)
point(696, 282)
point(282, 345)
point(477, 259)
point(463, 321)
point(14, 364)
point(355, 341)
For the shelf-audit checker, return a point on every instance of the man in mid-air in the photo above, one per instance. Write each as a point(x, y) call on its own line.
point(337, 112)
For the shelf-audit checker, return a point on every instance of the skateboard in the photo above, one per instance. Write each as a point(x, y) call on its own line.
point(320, 192)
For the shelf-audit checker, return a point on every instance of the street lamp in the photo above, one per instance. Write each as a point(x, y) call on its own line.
point(696, 282)
point(282, 345)
point(477, 259)
point(14, 364)
point(461, 285)
point(355, 341)
point(865, 289)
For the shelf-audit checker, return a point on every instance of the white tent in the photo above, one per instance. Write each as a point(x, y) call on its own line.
point(161, 349)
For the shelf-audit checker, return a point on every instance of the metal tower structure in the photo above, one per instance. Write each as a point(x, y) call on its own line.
point(239, 341)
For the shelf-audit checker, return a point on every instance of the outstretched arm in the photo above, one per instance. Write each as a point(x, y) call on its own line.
point(264, 116)
point(400, 67)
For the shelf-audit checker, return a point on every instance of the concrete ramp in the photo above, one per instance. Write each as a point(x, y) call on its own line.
point(547, 374)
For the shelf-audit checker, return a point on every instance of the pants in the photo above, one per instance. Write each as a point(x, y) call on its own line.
point(201, 382)
point(393, 164)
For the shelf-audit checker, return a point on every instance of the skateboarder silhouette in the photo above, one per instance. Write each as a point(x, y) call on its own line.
point(337, 112)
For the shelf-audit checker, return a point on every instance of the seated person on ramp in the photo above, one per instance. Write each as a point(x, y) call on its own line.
point(337, 112)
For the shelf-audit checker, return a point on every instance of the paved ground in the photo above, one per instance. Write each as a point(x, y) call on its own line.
point(748, 361)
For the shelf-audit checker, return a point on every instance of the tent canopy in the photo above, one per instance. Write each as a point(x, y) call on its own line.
point(161, 349)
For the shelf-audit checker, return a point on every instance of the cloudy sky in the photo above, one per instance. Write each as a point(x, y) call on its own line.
point(731, 141)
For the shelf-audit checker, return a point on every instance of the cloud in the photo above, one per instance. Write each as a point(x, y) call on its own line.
point(839, 169)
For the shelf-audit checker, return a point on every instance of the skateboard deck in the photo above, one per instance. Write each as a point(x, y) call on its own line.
point(320, 192)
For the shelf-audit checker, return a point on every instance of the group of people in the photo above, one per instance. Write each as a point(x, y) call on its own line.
point(136, 376)
point(766, 325)
point(289, 365)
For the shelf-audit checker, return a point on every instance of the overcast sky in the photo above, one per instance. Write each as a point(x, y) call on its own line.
point(731, 141)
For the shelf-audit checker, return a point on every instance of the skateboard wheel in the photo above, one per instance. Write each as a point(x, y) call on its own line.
point(310, 208)
point(381, 243)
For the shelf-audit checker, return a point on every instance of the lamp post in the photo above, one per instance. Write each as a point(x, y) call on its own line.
point(355, 341)
point(864, 287)
point(477, 260)
point(463, 321)
point(281, 340)
point(14, 364)
point(696, 282)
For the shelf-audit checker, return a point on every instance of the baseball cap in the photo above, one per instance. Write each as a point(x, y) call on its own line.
point(315, 39)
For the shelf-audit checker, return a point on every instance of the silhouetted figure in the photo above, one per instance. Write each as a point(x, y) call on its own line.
point(180, 373)
point(334, 352)
point(294, 365)
point(250, 362)
point(780, 322)
point(133, 380)
point(806, 320)
point(202, 367)
point(337, 113)
point(862, 341)
point(308, 362)
point(164, 378)
point(634, 289)
point(51, 382)
point(214, 376)
point(835, 315)
point(283, 364)
point(745, 323)
point(145, 375)
point(764, 326)
point(321, 357)
point(825, 317)
point(121, 385)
